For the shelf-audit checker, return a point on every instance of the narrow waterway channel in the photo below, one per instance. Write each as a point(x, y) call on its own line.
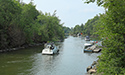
point(70, 61)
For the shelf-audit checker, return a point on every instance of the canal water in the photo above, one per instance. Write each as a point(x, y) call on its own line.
point(71, 60)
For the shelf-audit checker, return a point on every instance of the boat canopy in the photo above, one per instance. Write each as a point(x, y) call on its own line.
point(87, 37)
point(87, 44)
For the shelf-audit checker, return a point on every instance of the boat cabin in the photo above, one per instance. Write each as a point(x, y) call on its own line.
point(87, 45)
point(50, 46)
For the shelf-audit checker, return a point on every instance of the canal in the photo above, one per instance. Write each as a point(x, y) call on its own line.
point(71, 60)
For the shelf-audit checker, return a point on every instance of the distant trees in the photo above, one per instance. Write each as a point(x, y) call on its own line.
point(77, 29)
point(67, 31)
point(89, 28)
point(22, 23)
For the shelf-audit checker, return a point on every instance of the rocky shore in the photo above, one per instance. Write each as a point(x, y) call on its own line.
point(93, 68)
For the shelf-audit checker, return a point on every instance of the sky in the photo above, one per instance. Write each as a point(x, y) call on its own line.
point(70, 12)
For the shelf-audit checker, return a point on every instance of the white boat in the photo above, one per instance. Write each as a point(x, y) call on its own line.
point(50, 49)
point(78, 35)
point(92, 47)
point(87, 38)
point(87, 47)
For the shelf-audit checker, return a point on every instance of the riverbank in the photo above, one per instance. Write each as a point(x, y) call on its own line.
point(25, 46)
point(18, 48)
point(92, 70)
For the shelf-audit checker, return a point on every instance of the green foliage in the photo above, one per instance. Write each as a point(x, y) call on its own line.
point(67, 31)
point(112, 26)
point(51, 27)
point(22, 23)
point(99, 2)
point(77, 29)
point(9, 18)
point(89, 28)
point(28, 16)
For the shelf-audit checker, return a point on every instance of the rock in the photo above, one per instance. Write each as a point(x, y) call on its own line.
point(88, 68)
point(92, 71)
point(94, 63)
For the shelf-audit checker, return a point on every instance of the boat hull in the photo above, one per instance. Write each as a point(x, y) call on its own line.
point(87, 39)
point(85, 50)
point(50, 52)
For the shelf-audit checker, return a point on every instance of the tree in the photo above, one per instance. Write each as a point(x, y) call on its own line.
point(9, 19)
point(67, 31)
point(22, 24)
point(112, 25)
point(50, 28)
point(29, 15)
point(91, 25)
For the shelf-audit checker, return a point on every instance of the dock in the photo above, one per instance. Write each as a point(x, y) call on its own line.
point(97, 50)
point(93, 48)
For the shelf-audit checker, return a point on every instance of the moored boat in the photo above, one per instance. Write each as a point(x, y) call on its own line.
point(92, 48)
point(87, 47)
point(87, 38)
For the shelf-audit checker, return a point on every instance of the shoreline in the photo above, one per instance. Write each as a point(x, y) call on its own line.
point(23, 47)
point(93, 68)
point(18, 48)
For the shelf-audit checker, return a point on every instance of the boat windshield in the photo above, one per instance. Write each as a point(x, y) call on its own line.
point(48, 46)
